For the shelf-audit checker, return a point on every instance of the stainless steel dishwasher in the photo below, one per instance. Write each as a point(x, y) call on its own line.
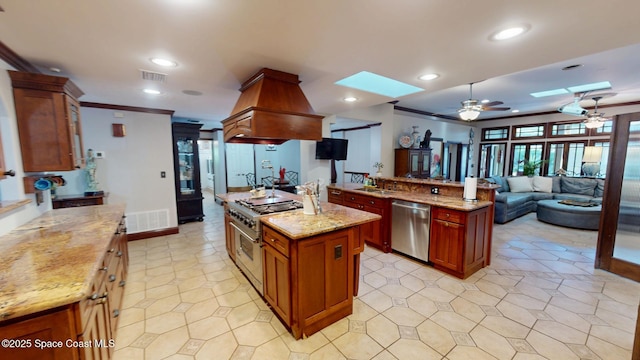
point(410, 228)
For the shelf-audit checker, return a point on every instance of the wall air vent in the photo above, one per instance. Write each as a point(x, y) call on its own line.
point(153, 76)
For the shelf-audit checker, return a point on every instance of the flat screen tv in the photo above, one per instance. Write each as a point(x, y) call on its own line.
point(330, 148)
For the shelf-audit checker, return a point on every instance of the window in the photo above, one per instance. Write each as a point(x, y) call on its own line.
point(528, 131)
point(490, 134)
point(521, 152)
point(566, 156)
point(568, 129)
point(606, 129)
point(492, 160)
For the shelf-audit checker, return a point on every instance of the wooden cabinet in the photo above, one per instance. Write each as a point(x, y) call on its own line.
point(309, 282)
point(187, 171)
point(459, 240)
point(49, 125)
point(335, 196)
point(416, 162)
point(85, 329)
point(229, 236)
point(375, 233)
point(55, 326)
point(277, 280)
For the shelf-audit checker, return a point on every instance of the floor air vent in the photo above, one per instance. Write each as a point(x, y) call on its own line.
point(147, 221)
point(153, 76)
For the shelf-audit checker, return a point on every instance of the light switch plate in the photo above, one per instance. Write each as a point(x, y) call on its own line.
point(99, 154)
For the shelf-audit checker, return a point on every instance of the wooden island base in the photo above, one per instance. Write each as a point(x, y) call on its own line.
point(310, 282)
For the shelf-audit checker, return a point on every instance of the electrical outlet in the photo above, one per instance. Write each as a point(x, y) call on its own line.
point(163, 174)
point(99, 154)
point(435, 190)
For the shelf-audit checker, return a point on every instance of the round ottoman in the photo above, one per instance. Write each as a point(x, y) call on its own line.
point(579, 217)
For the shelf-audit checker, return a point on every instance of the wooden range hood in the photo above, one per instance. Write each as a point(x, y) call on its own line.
point(271, 110)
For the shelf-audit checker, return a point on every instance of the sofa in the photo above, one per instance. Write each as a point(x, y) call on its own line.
point(519, 195)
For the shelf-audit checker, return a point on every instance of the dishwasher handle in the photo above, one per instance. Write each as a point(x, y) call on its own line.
point(412, 206)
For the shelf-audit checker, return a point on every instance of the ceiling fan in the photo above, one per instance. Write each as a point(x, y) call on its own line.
point(471, 108)
point(595, 119)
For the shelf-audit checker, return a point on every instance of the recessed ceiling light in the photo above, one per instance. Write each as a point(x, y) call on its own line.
point(509, 32)
point(350, 99)
point(151, 91)
point(428, 77)
point(164, 62)
point(484, 101)
point(55, 69)
point(515, 111)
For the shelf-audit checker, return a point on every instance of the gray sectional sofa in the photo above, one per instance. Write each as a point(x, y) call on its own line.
point(514, 202)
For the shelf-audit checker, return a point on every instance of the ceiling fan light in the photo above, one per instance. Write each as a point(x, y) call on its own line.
point(469, 114)
point(593, 124)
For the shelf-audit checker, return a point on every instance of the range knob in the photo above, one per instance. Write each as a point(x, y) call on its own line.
point(252, 224)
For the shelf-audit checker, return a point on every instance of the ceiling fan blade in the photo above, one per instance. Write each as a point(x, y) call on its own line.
point(496, 108)
point(493, 103)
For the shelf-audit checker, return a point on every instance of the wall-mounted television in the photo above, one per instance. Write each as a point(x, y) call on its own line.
point(331, 149)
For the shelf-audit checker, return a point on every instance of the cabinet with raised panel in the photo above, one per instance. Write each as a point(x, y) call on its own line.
point(459, 240)
point(49, 125)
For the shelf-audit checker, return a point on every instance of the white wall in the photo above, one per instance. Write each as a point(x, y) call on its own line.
point(130, 172)
point(12, 188)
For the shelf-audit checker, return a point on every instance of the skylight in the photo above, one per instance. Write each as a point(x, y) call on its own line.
point(573, 89)
point(378, 84)
point(590, 87)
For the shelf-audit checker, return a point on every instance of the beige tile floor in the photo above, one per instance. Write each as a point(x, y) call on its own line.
point(540, 299)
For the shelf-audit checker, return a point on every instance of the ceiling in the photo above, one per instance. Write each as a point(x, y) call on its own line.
point(102, 46)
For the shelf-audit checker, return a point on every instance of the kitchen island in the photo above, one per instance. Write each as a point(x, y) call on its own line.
point(310, 262)
point(62, 278)
point(460, 233)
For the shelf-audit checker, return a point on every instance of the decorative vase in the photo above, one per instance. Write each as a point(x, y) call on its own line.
point(379, 174)
point(415, 135)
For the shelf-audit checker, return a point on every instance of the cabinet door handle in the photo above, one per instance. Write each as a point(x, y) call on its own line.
point(336, 192)
point(104, 268)
point(116, 313)
point(119, 254)
point(122, 283)
point(352, 198)
point(372, 202)
point(112, 278)
point(447, 215)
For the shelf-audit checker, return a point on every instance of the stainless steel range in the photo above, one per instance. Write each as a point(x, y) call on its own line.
point(245, 220)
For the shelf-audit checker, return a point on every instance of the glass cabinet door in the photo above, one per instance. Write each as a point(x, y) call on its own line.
point(186, 164)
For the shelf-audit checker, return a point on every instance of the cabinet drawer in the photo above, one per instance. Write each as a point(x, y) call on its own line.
point(276, 240)
point(448, 215)
point(363, 200)
point(335, 196)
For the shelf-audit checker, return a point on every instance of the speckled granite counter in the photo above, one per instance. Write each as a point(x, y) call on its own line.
point(297, 225)
point(51, 260)
point(450, 202)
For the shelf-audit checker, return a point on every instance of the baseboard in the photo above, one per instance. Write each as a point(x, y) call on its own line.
point(153, 233)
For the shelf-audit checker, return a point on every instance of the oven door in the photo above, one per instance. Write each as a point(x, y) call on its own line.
point(249, 255)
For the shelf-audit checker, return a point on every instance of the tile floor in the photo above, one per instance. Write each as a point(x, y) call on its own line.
point(540, 299)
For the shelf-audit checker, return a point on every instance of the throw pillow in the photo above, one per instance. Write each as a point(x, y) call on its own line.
point(599, 188)
point(542, 184)
point(556, 184)
point(520, 184)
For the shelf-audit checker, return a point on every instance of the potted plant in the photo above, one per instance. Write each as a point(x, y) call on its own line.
point(378, 166)
point(529, 167)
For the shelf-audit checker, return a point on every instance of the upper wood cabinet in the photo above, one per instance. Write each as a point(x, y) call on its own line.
point(416, 162)
point(49, 126)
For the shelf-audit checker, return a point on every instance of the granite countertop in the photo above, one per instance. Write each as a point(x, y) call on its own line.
point(429, 199)
point(52, 260)
point(296, 225)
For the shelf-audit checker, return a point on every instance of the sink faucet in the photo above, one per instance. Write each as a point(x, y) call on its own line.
point(266, 164)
